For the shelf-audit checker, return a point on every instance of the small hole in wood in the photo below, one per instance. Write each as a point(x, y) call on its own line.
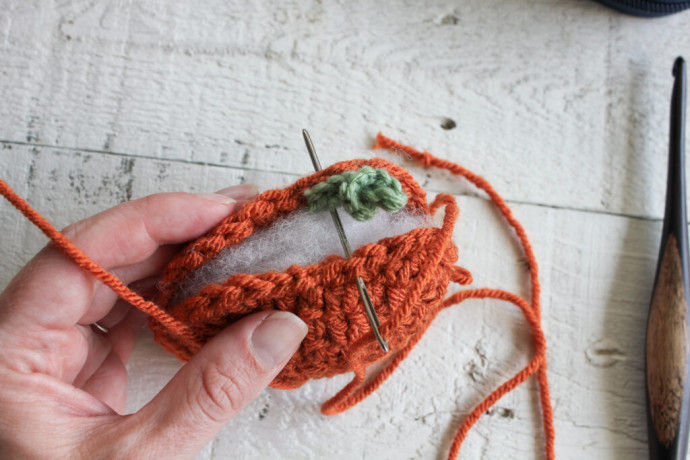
point(449, 20)
point(448, 123)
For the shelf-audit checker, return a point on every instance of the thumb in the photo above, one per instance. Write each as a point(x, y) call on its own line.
point(218, 382)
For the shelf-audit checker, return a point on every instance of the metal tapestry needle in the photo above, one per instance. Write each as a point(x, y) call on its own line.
point(368, 307)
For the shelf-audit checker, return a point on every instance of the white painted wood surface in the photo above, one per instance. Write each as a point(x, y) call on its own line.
point(561, 104)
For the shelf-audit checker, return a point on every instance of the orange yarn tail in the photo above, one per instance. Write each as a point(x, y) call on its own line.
point(532, 312)
point(185, 335)
point(535, 364)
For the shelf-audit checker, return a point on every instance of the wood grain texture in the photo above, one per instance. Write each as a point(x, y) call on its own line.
point(569, 81)
point(667, 345)
point(561, 104)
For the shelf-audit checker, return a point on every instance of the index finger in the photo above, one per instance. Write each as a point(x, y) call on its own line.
point(51, 291)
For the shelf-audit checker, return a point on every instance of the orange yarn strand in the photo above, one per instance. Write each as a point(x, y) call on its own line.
point(536, 362)
point(427, 159)
point(532, 314)
point(182, 332)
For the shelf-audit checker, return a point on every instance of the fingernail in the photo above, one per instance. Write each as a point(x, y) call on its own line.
point(277, 338)
point(216, 197)
point(240, 191)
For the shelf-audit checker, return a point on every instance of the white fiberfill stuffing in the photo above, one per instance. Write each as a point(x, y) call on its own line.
point(300, 238)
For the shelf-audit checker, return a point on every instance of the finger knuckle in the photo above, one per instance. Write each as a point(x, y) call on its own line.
point(222, 392)
point(72, 231)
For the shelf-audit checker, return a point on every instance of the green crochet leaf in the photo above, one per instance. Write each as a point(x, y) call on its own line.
point(360, 193)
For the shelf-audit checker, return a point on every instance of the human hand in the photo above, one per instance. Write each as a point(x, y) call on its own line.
point(62, 384)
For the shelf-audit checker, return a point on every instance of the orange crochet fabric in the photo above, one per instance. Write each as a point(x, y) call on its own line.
point(407, 277)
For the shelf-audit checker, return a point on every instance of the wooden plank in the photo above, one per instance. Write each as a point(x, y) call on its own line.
point(597, 272)
point(568, 97)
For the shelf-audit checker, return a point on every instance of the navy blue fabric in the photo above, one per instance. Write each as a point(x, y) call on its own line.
point(647, 8)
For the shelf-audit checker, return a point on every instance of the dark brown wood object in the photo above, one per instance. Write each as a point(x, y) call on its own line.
point(668, 385)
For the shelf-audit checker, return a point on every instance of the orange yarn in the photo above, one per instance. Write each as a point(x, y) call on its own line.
point(532, 313)
point(407, 277)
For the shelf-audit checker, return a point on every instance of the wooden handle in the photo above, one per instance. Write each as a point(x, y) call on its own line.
point(667, 355)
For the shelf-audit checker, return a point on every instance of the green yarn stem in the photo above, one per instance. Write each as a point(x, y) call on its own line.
point(360, 193)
